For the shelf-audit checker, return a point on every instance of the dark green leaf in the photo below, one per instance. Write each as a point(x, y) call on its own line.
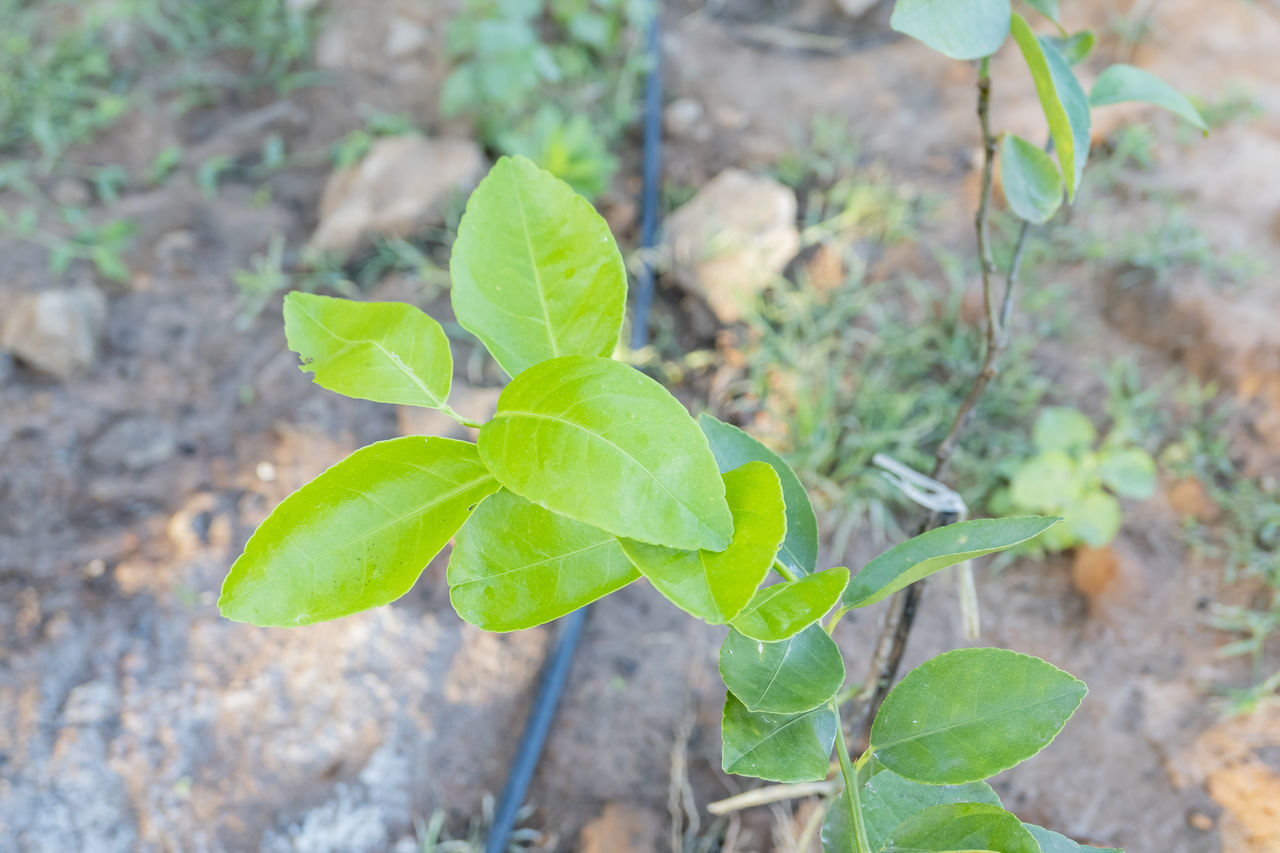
point(1129, 472)
point(358, 535)
point(960, 29)
point(600, 442)
point(515, 565)
point(777, 747)
point(733, 447)
point(716, 585)
point(388, 352)
point(796, 675)
point(1052, 842)
point(536, 272)
point(969, 714)
point(784, 609)
point(1121, 83)
point(888, 800)
point(908, 562)
point(961, 828)
point(1064, 103)
point(1031, 180)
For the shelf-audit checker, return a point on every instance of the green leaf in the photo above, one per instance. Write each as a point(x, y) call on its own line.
point(601, 443)
point(1074, 48)
point(960, 29)
point(1052, 842)
point(732, 447)
point(1060, 428)
point(796, 675)
point(908, 562)
point(1129, 472)
point(969, 714)
point(716, 585)
point(961, 828)
point(536, 272)
point(1031, 180)
point(388, 352)
point(1048, 8)
point(777, 747)
point(358, 535)
point(784, 609)
point(888, 800)
point(515, 565)
point(1064, 103)
point(1047, 483)
point(1121, 83)
point(1094, 518)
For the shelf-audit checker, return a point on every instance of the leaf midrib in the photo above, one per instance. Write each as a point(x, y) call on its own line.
point(979, 719)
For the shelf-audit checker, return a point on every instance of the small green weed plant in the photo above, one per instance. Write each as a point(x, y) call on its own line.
point(591, 476)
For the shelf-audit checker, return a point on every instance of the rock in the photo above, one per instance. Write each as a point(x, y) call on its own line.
point(405, 37)
point(134, 444)
point(58, 332)
point(684, 118)
point(1190, 499)
point(856, 8)
point(399, 186)
point(732, 239)
point(622, 828)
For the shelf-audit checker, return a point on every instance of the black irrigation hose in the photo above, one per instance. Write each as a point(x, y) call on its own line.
point(538, 724)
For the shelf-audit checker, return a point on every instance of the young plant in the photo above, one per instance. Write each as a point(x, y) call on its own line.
point(590, 476)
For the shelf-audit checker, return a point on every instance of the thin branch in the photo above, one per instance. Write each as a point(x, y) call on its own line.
point(772, 794)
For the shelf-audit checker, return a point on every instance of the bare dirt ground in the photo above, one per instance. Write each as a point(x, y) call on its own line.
point(133, 718)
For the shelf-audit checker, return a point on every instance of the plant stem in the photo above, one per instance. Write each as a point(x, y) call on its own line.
point(781, 569)
point(850, 798)
point(465, 421)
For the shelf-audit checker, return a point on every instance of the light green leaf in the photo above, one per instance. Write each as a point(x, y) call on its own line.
point(777, 747)
point(908, 562)
point(1064, 103)
point(1074, 48)
point(796, 675)
point(1060, 428)
point(388, 352)
point(784, 609)
point(888, 800)
point(515, 565)
point(601, 443)
point(1094, 518)
point(358, 535)
point(969, 714)
point(1052, 842)
point(536, 272)
point(960, 29)
point(1129, 472)
point(961, 828)
point(1048, 8)
point(1047, 482)
point(1031, 180)
point(1121, 83)
point(733, 447)
point(716, 585)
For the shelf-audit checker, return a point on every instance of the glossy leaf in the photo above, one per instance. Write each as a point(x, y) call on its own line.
point(790, 677)
point(908, 562)
point(777, 747)
point(1052, 842)
point(1129, 472)
point(358, 535)
point(1047, 482)
point(1064, 103)
point(888, 800)
point(1094, 519)
point(1074, 48)
point(388, 352)
point(1031, 180)
point(784, 609)
point(601, 443)
point(536, 272)
point(960, 29)
point(1048, 8)
point(1060, 428)
point(969, 714)
point(716, 585)
point(515, 565)
point(961, 828)
point(1121, 83)
point(732, 448)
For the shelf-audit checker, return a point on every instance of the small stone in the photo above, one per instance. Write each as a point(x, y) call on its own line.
point(58, 332)
point(400, 186)
point(134, 444)
point(89, 704)
point(1190, 499)
point(1199, 820)
point(405, 37)
point(733, 239)
point(683, 117)
point(856, 8)
point(622, 828)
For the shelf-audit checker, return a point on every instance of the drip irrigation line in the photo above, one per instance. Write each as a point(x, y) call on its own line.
point(556, 672)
